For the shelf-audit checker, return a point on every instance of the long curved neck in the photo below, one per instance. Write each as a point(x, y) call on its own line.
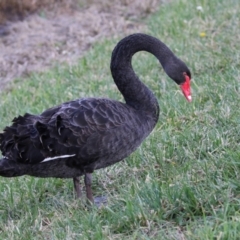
point(135, 93)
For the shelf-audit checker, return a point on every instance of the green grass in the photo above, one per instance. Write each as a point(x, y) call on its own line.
point(184, 181)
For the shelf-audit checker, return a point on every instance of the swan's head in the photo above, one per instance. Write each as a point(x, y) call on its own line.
point(179, 72)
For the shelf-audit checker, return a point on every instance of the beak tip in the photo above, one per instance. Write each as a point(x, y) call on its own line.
point(189, 98)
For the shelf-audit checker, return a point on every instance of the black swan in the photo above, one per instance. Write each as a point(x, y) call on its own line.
point(78, 137)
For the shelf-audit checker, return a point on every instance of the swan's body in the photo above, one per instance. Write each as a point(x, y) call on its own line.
point(77, 137)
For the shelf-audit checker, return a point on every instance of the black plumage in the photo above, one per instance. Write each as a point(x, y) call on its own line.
point(78, 137)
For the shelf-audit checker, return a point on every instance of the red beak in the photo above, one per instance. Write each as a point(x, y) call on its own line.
point(186, 89)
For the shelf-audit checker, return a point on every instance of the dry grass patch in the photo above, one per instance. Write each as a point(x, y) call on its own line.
point(56, 31)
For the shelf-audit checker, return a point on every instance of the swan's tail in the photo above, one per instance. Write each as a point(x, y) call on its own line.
point(10, 168)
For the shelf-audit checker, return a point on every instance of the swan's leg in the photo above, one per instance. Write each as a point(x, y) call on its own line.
point(77, 187)
point(88, 184)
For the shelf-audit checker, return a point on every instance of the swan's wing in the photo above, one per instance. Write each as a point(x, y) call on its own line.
point(17, 141)
point(78, 128)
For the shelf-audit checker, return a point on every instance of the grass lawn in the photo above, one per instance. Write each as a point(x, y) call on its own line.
point(184, 180)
